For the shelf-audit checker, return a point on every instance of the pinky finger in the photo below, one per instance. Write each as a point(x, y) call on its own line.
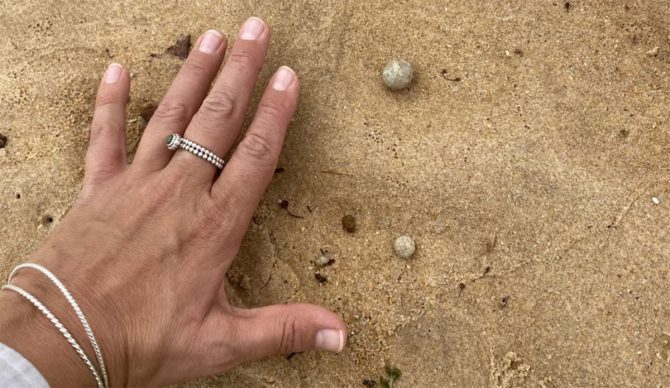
point(106, 155)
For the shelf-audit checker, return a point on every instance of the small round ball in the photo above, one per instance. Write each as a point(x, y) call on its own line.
point(404, 247)
point(398, 74)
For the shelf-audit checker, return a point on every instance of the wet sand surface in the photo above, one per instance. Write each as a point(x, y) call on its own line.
point(523, 160)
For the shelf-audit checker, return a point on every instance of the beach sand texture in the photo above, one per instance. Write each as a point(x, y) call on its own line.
point(523, 160)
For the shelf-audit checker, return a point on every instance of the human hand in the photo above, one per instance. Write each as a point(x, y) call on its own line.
point(145, 248)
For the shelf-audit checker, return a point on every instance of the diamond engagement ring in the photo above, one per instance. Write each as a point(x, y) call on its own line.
point(175, 141)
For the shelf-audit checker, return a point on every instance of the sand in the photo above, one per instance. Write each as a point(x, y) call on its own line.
point(523, 161)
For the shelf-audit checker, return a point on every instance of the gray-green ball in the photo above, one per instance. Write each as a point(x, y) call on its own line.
point(404, 247)
point(398, 74)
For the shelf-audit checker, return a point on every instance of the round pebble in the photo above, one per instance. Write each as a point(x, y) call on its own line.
point(349, 223)
point(398, 74)
point(322, 261)
point(404, 247)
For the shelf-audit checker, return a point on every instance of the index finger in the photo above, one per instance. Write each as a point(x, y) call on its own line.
point(251, 167)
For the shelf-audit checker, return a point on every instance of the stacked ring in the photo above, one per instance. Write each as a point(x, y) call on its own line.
point(175, 141)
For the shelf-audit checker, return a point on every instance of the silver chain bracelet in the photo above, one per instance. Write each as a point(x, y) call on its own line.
point(103, 382)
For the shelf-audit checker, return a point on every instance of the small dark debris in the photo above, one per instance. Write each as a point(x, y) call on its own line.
point(444, 75)
point(309, 209)
point(3, 141)
point(148, 111)
point(392, 375)
point(181, 48)
point(290, 356)
point(567, 6)
point(461, 287)
point(349, 223)
point(487, 269)
point(369, 383)
point(18, 195)
point(257, 219)
point(279, 170)
point(321, 278)
point(626, 7)
point(491, 245)
point(624, 133)
point(47, 220)
point(518, 52)
point(392, 372)
point(504, 301)
point(284, 205)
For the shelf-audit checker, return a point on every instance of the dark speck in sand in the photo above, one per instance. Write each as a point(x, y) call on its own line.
point(181, 48)
point(369, 383)
point(349, 223)
point(3, 140)
point(284, 205)
point(321, 278)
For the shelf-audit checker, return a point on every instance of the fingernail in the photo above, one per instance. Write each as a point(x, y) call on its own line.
point(113, 73)
point(283, 79)
point(210, 42)
point(252, 29)
point(330, 340)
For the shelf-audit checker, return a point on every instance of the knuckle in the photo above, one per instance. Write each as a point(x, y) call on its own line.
point(164, 192)
point(97, 174)
point(161, 192)
point(244, 58)
point(219, 104)
point(107, 98)
point(99, 129)
point(257, 146)
point(195, 68)
point(289, 337)
point(210, 225)
point(272, 108)
point(173, 111)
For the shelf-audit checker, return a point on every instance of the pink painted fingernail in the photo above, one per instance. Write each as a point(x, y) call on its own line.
point(210, 42)
point(330, 340)
point(283, 79)
point(252, 29)
point(113, 73)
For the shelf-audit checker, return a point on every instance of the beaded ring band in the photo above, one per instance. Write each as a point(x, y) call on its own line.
point(175, 141)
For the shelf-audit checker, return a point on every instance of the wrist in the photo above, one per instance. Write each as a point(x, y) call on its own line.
point(28, 331)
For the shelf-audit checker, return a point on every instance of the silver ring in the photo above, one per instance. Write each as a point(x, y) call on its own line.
point(175, 141)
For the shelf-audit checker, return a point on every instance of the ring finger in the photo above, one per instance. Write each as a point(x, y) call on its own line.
point(181, 100)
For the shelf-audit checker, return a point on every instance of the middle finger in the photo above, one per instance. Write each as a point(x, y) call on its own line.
point(217, 123)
